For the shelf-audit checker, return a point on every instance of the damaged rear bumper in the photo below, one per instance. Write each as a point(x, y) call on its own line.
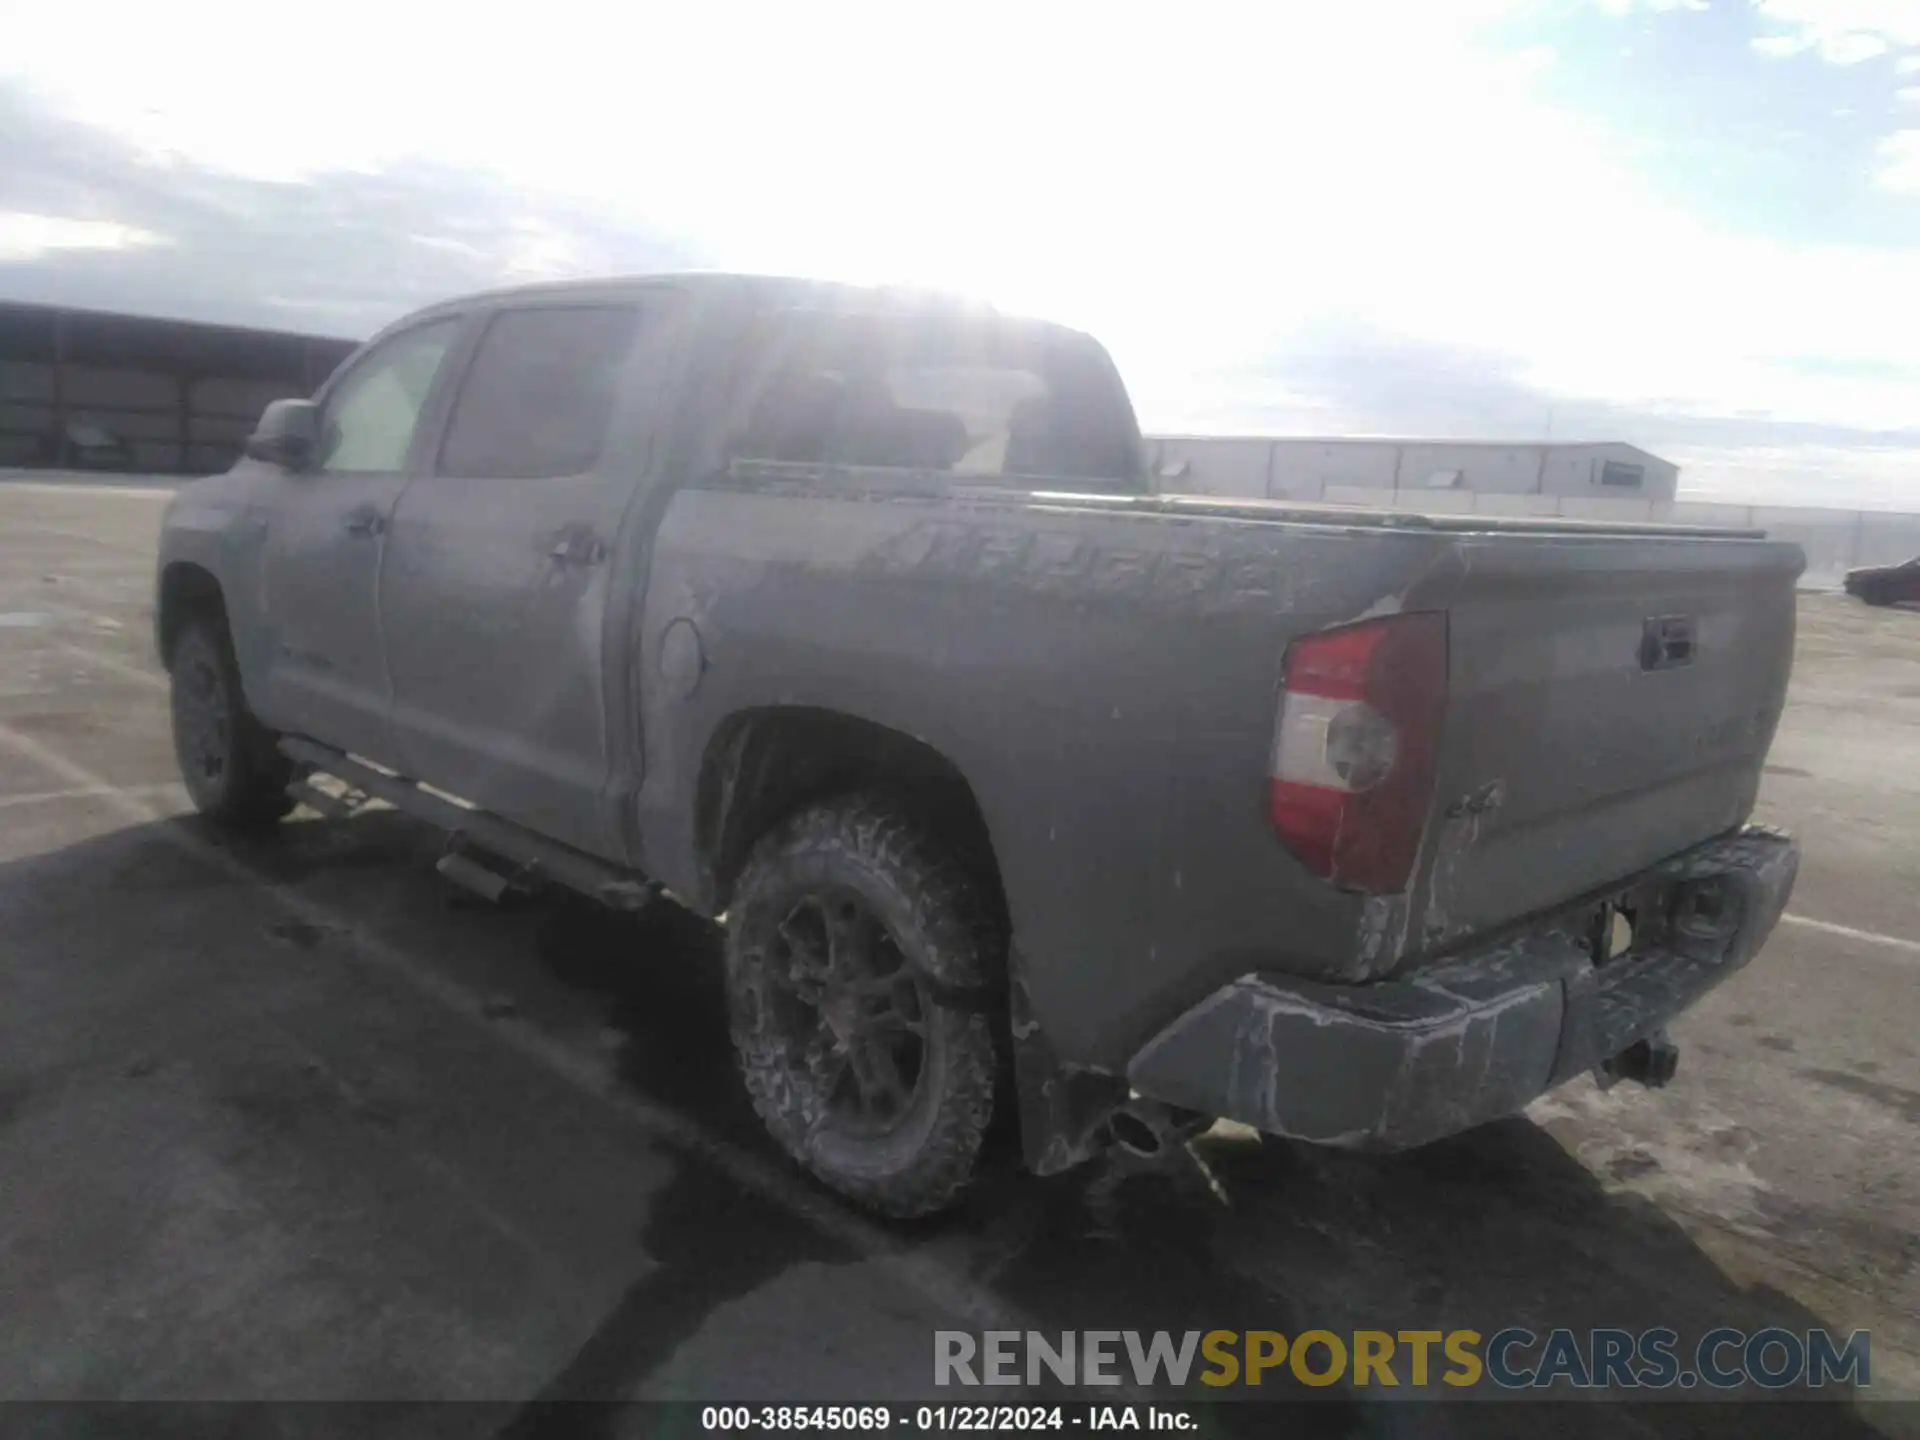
point(1398, 1063)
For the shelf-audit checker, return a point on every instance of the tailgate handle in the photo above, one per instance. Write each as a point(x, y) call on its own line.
point(1666, 641)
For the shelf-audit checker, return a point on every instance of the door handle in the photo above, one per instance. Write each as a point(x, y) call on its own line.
point(575, 547)
point(366, 522)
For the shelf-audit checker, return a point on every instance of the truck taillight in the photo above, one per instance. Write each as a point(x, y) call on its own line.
point(1354, 748)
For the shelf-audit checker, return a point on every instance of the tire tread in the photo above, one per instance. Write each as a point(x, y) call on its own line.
point(255, 796)
point(957, 935)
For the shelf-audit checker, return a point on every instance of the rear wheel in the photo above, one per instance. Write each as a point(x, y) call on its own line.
point(858, 956)
point(233, 771)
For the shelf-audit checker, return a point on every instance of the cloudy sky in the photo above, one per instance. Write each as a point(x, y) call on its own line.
point(1691, 224)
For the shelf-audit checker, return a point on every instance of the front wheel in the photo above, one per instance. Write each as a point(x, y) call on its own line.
point(859, 956)
point(233, 771)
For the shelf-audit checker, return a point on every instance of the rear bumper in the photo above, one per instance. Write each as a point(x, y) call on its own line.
point(1401, 1062)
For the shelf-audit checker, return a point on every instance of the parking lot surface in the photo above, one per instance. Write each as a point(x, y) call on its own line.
point(293, 1119)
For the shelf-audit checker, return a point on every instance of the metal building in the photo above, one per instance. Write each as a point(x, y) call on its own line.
point(1357, 471)
point(86, 390)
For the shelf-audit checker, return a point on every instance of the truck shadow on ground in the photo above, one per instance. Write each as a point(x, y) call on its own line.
point(1497, 1228)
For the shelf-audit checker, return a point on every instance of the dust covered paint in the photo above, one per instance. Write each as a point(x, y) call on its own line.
point(651, 660)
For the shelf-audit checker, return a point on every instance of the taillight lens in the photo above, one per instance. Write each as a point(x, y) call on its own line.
point(1354, 748)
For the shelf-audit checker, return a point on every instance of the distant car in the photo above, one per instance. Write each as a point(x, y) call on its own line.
point(93, 446)
point(1887, 584)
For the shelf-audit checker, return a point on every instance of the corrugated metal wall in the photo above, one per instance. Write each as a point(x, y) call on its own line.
point(83, 390)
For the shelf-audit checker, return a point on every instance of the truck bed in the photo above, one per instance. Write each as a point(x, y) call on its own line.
point(1105, 670)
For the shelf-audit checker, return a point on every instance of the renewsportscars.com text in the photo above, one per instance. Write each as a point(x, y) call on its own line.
point(1510, 1359)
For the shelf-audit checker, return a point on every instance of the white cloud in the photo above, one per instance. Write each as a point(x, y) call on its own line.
point(1852, 49)
point(28, 237)
point(1869, 477)
point(1195, 185)
point(1658, 7)
point(1844, 32)
point(1901, 152)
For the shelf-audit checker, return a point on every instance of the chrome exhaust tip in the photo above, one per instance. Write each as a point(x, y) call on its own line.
point(1147, 1129)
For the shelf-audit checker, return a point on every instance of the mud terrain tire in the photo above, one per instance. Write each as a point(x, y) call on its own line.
point(808, 998)
point(228, 761)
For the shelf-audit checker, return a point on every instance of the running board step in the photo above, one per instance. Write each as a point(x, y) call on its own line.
point(470, 875)
point(532, 857)
point(322, 802)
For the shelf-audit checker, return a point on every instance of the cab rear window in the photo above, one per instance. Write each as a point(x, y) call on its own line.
point(977, 397)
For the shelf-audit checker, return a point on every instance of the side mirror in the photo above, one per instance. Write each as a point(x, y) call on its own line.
point(288, 434)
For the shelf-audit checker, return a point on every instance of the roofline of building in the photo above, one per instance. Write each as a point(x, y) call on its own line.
point(145, 317)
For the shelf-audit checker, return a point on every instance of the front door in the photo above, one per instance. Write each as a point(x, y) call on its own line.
point(500, 572)
point(326, 672)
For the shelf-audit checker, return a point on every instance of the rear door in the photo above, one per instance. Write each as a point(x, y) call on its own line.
point(327, 532)
point(499, 571)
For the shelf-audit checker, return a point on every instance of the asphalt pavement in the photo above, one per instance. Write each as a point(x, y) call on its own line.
point(292, 1119)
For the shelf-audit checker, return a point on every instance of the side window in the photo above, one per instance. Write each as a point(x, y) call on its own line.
point(536, 400)
point(370, 418)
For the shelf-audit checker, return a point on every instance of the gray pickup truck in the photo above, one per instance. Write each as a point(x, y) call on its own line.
point(851, 618)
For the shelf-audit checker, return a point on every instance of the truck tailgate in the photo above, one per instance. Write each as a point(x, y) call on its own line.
point(1610, 701)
